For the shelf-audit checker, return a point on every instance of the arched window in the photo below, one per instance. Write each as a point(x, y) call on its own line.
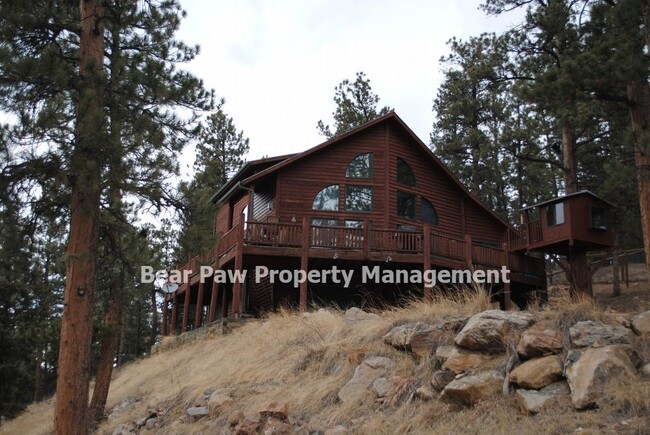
point(404, 173)
point(360, 166)
point(428, 213)
point(406, 203)
point(327, 199)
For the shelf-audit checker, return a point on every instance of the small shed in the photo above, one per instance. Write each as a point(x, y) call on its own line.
point(580, 221)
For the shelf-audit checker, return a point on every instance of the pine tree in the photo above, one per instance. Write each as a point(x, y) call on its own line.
point(356, 104)
point(219, 154)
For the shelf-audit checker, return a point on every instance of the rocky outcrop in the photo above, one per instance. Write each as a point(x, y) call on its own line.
point(354, 315)
point(364, 376)
point(534, 343)
point(460, 361)
point(441, 378)
point(641, 323)
point(534, 401)
point(537, 373)
point(489, 330)
point(596, 367)
point(218, 401)
point(470, 390)
point(590, 333)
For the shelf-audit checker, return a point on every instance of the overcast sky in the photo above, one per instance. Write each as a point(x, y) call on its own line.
point(277, 61)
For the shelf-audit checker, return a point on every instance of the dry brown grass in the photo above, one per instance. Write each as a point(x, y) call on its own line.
point(305, 359)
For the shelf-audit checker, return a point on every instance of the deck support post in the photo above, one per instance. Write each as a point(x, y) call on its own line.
point(239, 257)
point(366, 239)
point(507, 301)
point(186, 307)
point(199, 305)
point(468, 250)
point(426, 263)
point(164, 315)
point(304, 261)
point(172, 326)
point(212, 314)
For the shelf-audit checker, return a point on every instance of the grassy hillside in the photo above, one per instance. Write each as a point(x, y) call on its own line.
point(305, 359)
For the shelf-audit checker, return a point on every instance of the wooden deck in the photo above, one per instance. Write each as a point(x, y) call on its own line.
point(428, 248)
point(445, 251)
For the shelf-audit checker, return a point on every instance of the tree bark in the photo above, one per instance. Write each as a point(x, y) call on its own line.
point(639, 95)
point(569, 165)
point(73, 375)
point(579, 276)
point(154, 319)
point(107, 353)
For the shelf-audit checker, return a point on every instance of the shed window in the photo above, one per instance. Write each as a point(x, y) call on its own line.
point(360, 166)
point(327, 199)
point(598, 216)
point(428, 213)
point(404, 173)
point(358, 198)
point(555, 214)
point(406, 205)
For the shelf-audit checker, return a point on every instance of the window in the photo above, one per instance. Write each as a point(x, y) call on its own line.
point(351, 223)
point(358, 198)
point(555, 214)
point(324, 222)
point(404, 173)
point(428, 213)
point(327, 199)
point(598, 218)
point(406, 205)
point(360, 166)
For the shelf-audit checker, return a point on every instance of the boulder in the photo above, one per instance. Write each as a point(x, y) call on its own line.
point(539, 343)
point(641, 323)
point(354, 315)
point(196, 412)
point(364, 376)
point(423, 343)
point(488, 331)
point(441, 378)
point(218, 401)
point(596, 367)
point(469, 390)
point(425, 393)
point(400, 336)
point(274, 426)
point(534, 401)
point(590, 333)
point(249, 425)
point(275, 409)
point(337, 430)
point(381, 387)
point(452, 324)
point(460, 361)
point(537, 373)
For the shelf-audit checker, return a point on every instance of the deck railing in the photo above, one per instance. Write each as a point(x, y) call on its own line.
point(383, 240)
point(449, 247)
point(526, 234)
point(487, 256)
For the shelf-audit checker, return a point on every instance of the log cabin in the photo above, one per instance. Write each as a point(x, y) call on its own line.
point(373, 196)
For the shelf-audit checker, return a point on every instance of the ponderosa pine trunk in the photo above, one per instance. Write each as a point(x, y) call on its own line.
point(109, 341)
point(639, 96)
point(73, 373)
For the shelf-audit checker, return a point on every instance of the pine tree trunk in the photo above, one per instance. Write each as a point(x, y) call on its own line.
point(73, 372)
point(107, 353)
point(639, 96)
point(579, 275)
point(569, 165)
point(38, 379)
point(154, 319)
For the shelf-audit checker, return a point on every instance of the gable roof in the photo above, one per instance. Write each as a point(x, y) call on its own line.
point(248, 169)
point(561, 198)
point(391, 116)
